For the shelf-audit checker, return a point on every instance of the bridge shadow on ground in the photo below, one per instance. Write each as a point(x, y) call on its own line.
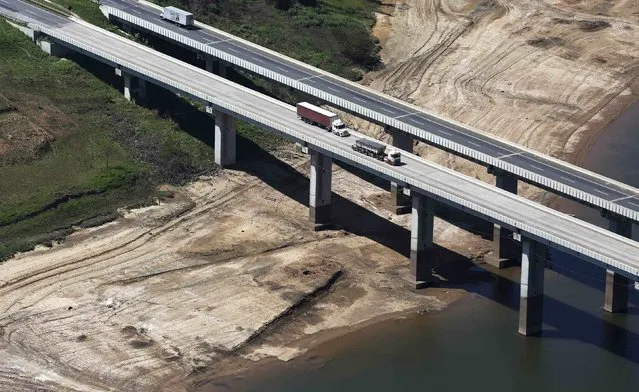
point(347, 215)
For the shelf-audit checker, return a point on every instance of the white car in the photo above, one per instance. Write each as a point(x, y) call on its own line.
point(342, 132)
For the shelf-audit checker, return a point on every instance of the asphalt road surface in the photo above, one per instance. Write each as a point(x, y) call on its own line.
point(606, 192)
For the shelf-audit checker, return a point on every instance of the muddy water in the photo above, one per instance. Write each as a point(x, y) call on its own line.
point(474, 345)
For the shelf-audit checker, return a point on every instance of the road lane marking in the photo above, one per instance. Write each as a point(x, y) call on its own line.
point(359, 99)
point(567, 179)
point(601, 192)
point(385, 100)
point(407, 114)
point(282, 69)
point(384, 109)
point(233, 50)
point(308, 77)
point(537, 167)
point(474, 144)
point(510, 155)
point(633, 204)
point(622, 198)
point(257, 59)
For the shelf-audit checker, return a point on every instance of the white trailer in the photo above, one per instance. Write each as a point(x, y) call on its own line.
point(176, 15)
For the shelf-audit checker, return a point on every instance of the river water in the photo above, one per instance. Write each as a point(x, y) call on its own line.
point(474, 345)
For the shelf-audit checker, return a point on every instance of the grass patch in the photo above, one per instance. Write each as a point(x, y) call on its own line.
point(85, 9)
point(90, 168)
point(330, 34)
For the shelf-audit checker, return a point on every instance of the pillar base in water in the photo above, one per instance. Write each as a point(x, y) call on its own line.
point(617, 291)
point(530, 315)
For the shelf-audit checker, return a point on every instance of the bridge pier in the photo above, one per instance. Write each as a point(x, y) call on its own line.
point(421, 239)
point(134, 87)
point(209, 63)
point(225, 129)
point(215, 66)
point(617, 286)
point(319, 204)
point(399, 201)
point(506, 250)
point(53, 48)
point(533, 260)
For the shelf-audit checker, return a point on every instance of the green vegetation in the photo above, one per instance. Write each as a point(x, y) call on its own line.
point(72, 149)
point(91, 151)
point(330, 34)
point(85, 9)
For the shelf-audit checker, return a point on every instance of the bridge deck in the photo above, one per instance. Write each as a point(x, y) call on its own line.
point(530, 219)
point(559, 177)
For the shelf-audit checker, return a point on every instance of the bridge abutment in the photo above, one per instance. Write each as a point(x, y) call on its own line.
point(225, 139)
point(506, 249)
point(421, 239)
point(319, 204)
point(400, 203)
point(533, 260)
point(617, 286)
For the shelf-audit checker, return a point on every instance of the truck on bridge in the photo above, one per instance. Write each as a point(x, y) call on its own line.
point(378, 150)
point(317, 116)
point(176, 15)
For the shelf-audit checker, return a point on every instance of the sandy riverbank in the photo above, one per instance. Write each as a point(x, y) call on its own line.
point(548, 75)
point(223, 274)
point(227, 272)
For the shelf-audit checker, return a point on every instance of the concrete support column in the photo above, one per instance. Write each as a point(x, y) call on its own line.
point(225, 129)
point(617, 286)
point(319, 204)
point(140, 91)
point(209, 64)
point(400, 203)
point(506, 250)
point(421, 239)
point(128, 80)
point(221, 69)
point(533, 260)
point(214, 65)
point(53, 48)
point(134, 88)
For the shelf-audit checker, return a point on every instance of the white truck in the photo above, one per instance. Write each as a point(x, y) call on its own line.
point(317, 116)
point(176, 15)
point(378, 150)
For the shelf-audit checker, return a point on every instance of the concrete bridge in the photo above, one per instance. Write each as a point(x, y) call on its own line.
point(538, 227)
point(509, 162)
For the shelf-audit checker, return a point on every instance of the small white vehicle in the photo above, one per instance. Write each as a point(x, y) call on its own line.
point(341, 131)
point(176, 15)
